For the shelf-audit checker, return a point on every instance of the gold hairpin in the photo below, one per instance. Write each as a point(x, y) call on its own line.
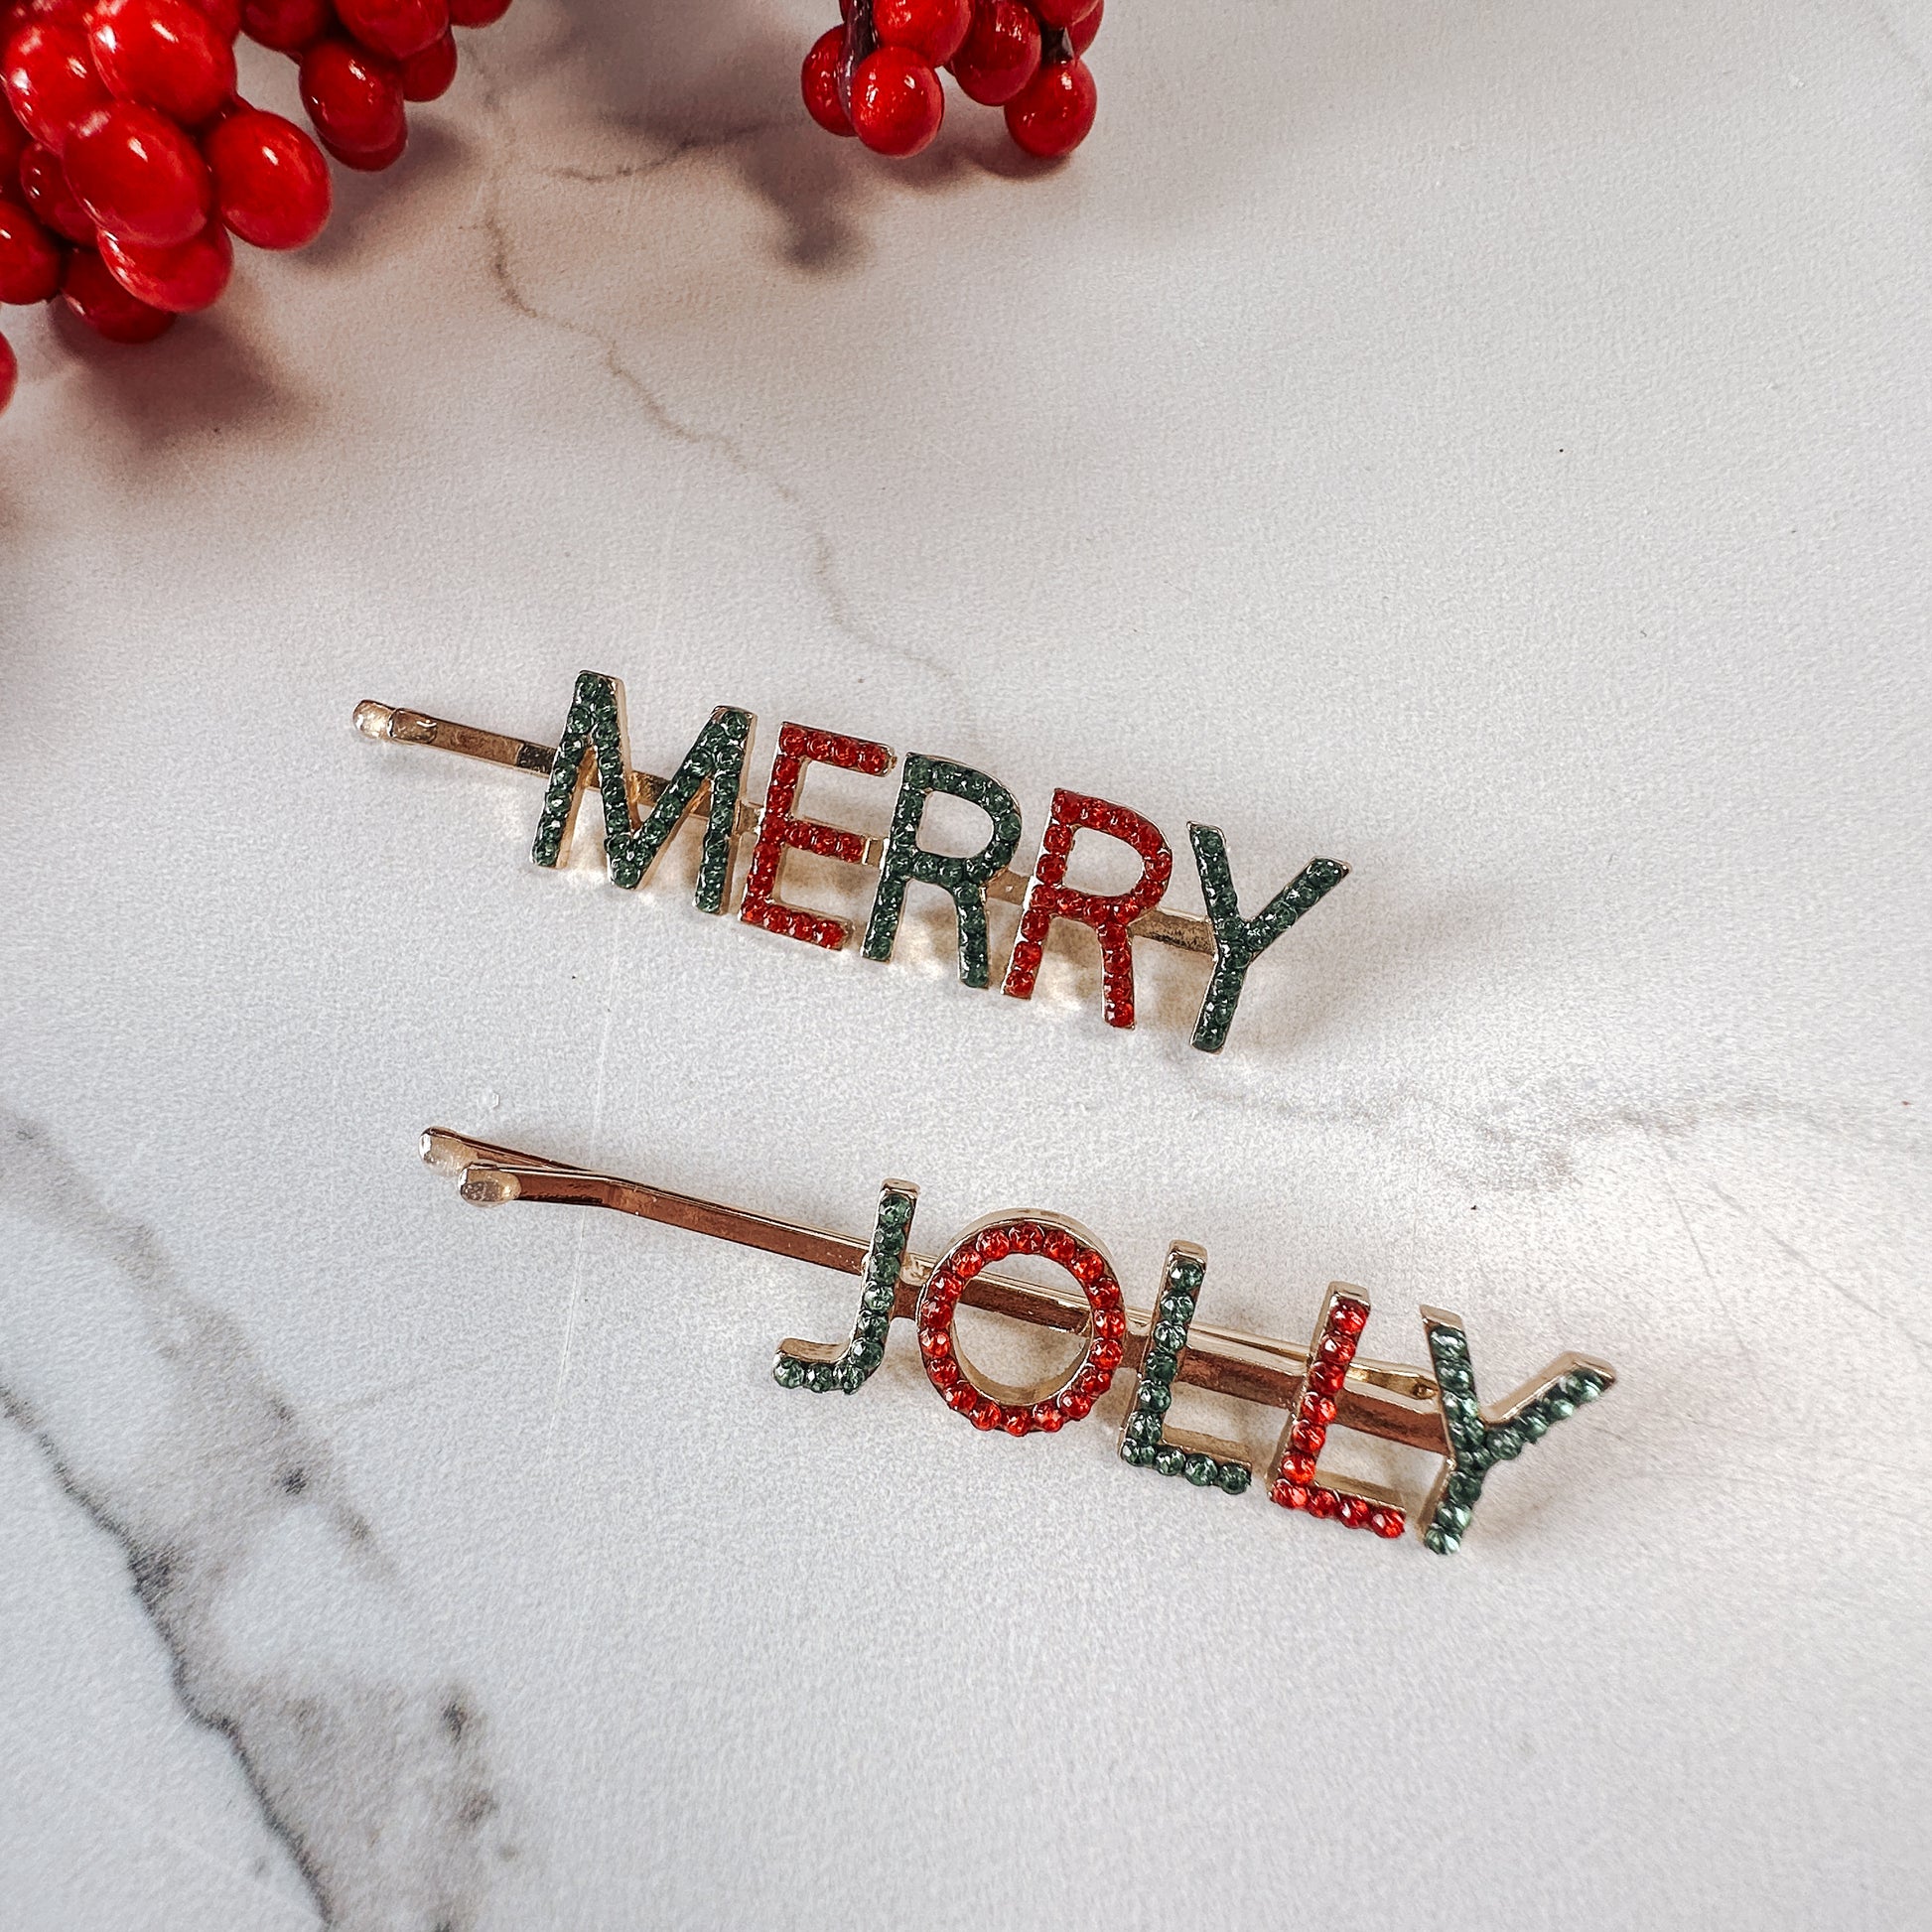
point(1327, 1384)
point(643, 813)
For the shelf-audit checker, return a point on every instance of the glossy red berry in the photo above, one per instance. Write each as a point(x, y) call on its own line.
point(354, 98)
point(51, 82)
point(104, 306)
point(139, 176)
point(14, 142)
point(370, 160)
point(819, 80)
point(288, 25)
point(396, 28)
point(1000, 51)
point(162, 54)
point(271, 184)
point(1083, 30)
point(224, 16)
point(31, 259)
point(44, 185)
point(478, 12)
point(181, 279)
point(897, 105)
point(427, 75)
point(1062, 13)
point(1054, 113)
point(931, 28)
point(9, 371)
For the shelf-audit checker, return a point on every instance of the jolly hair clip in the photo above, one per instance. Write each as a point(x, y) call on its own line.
point(1318, 1386)
point(642, 815)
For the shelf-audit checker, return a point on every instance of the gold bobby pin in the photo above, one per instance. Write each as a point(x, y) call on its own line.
point(643, 813)
point(1323, 1385)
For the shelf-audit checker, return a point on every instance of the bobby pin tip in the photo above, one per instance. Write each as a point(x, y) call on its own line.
point(447, 1152)
point(488, 1186)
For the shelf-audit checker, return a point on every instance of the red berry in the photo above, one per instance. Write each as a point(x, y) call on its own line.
point(181, 279)
point(30, 257)
point(820, 82)
point(224, 16)
point(478, 12)
point(1083, 30)
point(164, 55)
point(1062, 13)
point(370, 160)
point(139, 176)
point(103, 305)
point(44, 184)
point(51, 82)
point(288, 25)
point(354, 100)
point(397, 28)
point(427, 75)
point(931, 28)
point(1001, 53)
point(14, 142)
point(897, 105)
point(1052, 115)
point(9, 371)
point(271, 184)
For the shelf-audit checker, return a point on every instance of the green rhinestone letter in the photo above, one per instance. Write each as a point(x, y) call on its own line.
point(595, 732)
point(1239, 942)
point(821, 1366)
point(964, 880)
point(1480, 1439)
point(1146, 1440)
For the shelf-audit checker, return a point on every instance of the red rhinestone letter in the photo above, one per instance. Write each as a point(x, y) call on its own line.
point(1109, 914)
point(778, 829)
point(1295, 1483)
point(1060, 1399)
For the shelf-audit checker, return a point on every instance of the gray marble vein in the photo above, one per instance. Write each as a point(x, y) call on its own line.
point(367, 1764)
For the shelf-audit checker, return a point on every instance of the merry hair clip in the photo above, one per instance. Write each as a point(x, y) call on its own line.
point(1327, 1384)
point(642, 813)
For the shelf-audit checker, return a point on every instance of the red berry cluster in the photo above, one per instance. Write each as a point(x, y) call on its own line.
point(877, 76)
point(1090, 1379)
point(127, 159)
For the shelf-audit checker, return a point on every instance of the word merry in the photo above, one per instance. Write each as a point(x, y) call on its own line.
point(642, 815)
point(1323, 1386)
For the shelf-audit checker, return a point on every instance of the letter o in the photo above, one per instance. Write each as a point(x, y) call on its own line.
point(1051, 1404)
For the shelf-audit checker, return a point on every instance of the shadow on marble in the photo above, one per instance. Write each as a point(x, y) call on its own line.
point(728, 82)
point(368, 207)
point(202, 374)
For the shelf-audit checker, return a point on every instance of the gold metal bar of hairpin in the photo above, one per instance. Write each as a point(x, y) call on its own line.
point(1386, 1399)
point(399, 726)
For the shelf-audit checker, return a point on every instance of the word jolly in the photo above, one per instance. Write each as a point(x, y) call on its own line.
point(1318, 1387)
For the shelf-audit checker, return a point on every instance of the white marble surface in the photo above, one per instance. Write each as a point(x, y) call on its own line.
point(1487, 442)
